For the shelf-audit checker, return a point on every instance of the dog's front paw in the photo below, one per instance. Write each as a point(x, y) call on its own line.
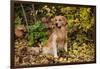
point(65, 48)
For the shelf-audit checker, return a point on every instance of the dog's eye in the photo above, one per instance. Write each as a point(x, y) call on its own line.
point(55, 19)
point(60, 20)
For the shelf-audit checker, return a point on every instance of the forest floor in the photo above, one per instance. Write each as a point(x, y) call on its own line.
point(25, 56)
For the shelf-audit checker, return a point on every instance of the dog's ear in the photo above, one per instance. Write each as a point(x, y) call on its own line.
point(52, 19)
point(65, 20)
point(52, 22)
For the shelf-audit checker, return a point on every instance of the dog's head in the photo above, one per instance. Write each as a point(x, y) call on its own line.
point(59, 21)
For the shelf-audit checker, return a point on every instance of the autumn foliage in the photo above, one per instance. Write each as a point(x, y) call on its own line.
point(80, 26)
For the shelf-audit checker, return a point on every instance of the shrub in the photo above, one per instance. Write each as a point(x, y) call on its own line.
point(36, 34)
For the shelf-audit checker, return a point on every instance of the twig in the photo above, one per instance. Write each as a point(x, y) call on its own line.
point(24, 14)
point(34, 12)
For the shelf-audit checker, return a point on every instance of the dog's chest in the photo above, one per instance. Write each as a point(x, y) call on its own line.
point(60, 36)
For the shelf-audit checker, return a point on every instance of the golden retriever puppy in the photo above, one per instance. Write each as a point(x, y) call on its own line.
point(58, 38)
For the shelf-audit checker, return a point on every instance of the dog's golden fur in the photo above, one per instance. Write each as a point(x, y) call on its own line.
point(58, 38)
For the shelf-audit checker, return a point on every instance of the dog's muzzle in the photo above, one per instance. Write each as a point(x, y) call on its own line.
point(56, 24)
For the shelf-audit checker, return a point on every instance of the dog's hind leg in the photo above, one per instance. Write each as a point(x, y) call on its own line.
point(54, 46)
